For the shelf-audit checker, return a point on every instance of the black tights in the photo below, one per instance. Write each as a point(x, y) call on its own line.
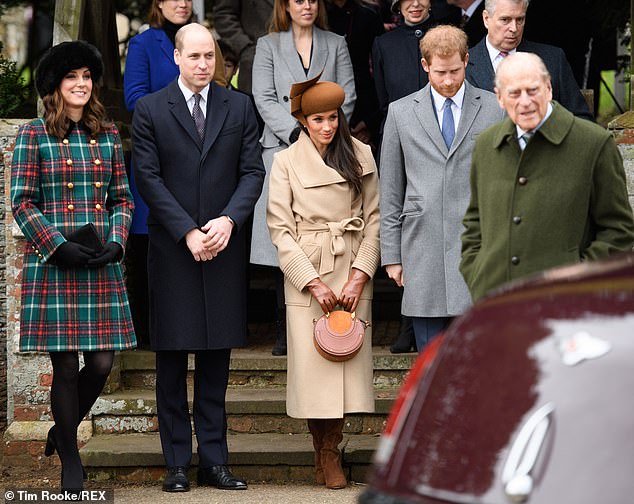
point(73, 393)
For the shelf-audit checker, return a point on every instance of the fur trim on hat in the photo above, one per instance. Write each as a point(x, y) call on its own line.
point(61, 59)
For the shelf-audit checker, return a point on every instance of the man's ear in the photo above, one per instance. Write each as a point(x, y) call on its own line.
point(423, 62)
point(177, 57)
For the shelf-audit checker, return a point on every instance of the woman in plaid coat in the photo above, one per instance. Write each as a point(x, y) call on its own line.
point(68, 171)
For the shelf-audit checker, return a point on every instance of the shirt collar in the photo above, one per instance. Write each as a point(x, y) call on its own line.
point(472, 8)
point(493, 52)
point(188, 93)
point(439, 100)
point(549, 110)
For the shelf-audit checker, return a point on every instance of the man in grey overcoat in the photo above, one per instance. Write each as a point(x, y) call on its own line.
point(199, 169)
point(425, 162)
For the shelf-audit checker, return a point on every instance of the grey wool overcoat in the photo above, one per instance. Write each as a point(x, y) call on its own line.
point(276, 68)
point(424, 195)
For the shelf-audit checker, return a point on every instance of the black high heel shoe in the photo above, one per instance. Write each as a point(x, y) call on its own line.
point(51, 447)
point(405, 341)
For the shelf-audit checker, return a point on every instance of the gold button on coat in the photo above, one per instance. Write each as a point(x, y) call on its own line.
point(70, 185)
point(69, 162)
point(98, 206)
point(65, 141)
point(71, 207)
point(97, 162)
point(93, 141)
point(97, 185)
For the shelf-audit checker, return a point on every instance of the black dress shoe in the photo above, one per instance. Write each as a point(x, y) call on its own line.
point(176, 480)
point(220, 476)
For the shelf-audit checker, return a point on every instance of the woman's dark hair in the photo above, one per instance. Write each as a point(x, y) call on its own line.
point(281, 19)
point(156, 17)
point(57, 122)
point(340, 154)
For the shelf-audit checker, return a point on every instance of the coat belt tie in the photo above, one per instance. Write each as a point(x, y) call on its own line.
point(332, 244)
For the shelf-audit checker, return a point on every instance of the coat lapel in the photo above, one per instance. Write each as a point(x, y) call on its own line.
point(312, 171)
point(480, 69)
point(178, 108)
point(319, 53)
point(470, 107)
point(217, 110)
point(424, 111)
point(164, 43)
point(290, 56)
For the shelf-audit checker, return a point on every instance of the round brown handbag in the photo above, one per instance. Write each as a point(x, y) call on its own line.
point(338, 335)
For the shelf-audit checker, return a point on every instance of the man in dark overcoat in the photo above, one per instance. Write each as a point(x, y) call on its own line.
point(547, 188)
point(200, 171)
point(504, 21)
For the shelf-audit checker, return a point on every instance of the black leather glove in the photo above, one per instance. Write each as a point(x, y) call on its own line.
point(72, 255)
point(111, 252)
point(295, 134)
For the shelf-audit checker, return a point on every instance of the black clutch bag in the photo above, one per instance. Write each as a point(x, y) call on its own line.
point(87, 236)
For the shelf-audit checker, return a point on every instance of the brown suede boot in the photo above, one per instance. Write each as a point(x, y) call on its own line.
point(330, 454)
point(316, 428)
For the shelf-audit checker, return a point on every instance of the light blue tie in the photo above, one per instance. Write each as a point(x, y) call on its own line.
point(448, 129)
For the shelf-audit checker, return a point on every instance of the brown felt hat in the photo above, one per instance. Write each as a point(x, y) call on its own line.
point(311, 97)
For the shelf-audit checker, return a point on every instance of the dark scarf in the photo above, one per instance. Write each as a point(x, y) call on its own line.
point(170, 30)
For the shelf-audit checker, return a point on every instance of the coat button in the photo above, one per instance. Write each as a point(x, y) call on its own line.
point(515, 260)
point(285, 98)
point(70, 185)
point(93, 141)
point(97, 185)
point(97, 162)
point(517, 219)
point(522, 180)
point(98, 206)
point(69, 162)
point(418, 33)
point(71, 207)
point(65, 141)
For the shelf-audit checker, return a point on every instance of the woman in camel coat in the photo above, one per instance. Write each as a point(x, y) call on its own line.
point(325, 225)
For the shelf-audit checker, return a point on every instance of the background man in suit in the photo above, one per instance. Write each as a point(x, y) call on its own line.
point(471, 19)
point(241, 23)
point(547, 188)
point(199, 170)
point(425, 159)
point(504, 20)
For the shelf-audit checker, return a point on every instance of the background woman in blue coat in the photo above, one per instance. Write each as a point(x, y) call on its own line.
point(150, 67)
point(68, 171)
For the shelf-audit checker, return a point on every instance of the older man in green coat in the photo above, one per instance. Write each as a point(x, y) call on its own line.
point(547, 188)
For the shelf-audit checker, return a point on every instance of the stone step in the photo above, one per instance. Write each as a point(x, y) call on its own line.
point(256, 457)
point(254, 411)
point(258, 368)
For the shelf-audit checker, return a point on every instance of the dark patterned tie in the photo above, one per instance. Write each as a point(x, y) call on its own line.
point(199, 118)
point(464, 21)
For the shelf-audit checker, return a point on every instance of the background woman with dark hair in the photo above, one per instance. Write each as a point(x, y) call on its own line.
point(323, 214)
point(298, 46)
point(68, 171)
point(149, 67)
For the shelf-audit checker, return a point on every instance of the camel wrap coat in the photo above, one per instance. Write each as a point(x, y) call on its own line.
point(321, 228)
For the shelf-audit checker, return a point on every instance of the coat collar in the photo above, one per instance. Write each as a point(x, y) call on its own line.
point(554, 130)
point(319, 54)
point(310, 169)
point(163, 42)
point(426, 114)
point(217, 110)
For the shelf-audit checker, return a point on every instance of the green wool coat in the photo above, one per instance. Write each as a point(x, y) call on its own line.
point(560, 201)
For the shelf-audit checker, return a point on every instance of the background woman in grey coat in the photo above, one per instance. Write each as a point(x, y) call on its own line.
point(297, 48)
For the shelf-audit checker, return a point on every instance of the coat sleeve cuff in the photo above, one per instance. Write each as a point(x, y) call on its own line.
point(299, 271)
point(367, 259)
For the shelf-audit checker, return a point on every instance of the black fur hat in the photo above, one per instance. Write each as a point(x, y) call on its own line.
point(61, 59)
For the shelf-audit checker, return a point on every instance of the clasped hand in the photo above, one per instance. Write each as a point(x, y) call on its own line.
point(211, 239)
point(350, 293)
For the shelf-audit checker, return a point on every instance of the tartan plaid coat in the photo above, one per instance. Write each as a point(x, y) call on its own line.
point(58, 186)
